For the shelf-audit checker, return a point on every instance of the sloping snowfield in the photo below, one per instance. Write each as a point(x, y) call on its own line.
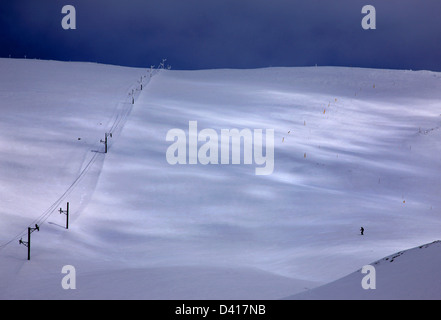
point(352, 148)
point(405, 275)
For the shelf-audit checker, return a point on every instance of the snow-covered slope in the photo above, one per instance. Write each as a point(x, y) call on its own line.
point(406, 275)
point(353, 147)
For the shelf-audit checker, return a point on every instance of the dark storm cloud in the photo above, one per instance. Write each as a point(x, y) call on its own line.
point(194, 34)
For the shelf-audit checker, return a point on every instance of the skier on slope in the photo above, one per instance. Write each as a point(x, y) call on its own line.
point(362, 230)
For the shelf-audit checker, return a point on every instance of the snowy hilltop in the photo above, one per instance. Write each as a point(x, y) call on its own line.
point(177, 209)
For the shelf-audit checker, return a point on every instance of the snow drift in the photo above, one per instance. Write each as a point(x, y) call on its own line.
point(405, 275)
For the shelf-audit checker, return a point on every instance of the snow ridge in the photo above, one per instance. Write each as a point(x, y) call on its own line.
point(118, 121)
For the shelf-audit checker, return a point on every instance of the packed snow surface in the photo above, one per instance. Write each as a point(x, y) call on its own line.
point(352, 148)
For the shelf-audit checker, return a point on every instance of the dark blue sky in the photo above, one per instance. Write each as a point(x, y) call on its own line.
point(203, 34)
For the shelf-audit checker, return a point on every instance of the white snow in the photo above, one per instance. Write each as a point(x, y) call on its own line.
point(353, 147)
point(406, 275)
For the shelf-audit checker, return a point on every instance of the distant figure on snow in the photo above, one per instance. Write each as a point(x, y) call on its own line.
point(362, 230)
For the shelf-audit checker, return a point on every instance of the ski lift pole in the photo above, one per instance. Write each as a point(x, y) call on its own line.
point(28, 243)
point(105, 141)
point(67, 215)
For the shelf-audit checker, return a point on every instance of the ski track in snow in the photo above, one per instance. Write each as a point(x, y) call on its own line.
point(122, 112)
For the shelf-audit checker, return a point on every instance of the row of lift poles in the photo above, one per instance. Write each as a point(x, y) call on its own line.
point(37, 228)
point(61, 211)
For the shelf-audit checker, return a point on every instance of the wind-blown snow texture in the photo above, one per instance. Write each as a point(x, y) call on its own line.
point(353, 147)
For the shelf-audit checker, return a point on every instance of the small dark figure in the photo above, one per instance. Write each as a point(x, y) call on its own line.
point(362, 230)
